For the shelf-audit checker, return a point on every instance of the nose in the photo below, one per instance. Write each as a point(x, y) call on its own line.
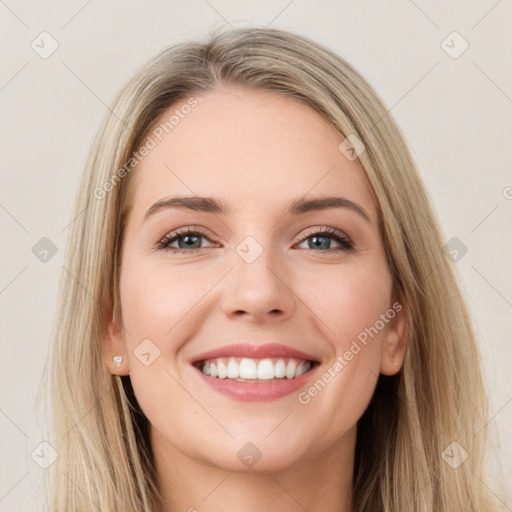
point(259, 291)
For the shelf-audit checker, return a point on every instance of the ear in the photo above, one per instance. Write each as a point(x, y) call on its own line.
point(395, 339)
point(113, 344)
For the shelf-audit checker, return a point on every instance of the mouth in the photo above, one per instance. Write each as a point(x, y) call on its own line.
point(255, 373)
point(261, 371)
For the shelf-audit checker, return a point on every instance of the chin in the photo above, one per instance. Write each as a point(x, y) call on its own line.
point(257, 454)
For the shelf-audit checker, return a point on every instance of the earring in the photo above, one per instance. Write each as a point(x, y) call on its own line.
point(392, 358)
point(117, 360)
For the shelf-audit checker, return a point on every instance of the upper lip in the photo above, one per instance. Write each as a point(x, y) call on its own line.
point(255, 352)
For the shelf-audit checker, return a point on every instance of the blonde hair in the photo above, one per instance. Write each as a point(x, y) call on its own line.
point(97, 427)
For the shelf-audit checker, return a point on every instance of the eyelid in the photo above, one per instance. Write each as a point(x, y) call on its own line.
point(178, 232)
point(340, 237)
point(330, 230)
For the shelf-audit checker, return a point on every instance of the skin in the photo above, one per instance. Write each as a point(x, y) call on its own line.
point(256, 151)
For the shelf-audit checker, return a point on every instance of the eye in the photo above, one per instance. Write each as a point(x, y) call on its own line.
point(320, 239)
point(189, 240)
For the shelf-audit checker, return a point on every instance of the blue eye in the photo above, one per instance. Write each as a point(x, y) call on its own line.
point(321, 239)
point(189, 241)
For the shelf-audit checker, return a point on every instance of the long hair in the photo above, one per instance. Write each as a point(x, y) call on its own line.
point(436, 403)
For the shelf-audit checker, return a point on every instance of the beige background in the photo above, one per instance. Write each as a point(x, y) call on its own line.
point(455, 112)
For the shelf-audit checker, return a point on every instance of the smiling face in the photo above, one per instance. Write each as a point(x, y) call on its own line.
point(253, 270)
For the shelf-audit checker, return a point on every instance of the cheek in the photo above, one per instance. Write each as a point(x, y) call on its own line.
point(157, 309)
point(352, 302)
point(348, 300)
point(157, 300)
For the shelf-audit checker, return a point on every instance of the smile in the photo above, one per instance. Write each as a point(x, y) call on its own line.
point(255, 370)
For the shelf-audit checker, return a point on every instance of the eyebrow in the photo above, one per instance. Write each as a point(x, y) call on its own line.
point(295, 207)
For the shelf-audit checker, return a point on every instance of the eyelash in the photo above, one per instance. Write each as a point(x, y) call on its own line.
point(338, 236)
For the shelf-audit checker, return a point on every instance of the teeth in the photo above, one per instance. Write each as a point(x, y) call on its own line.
point(301, 369)
point(265, 369)
point(251, 369)
point(290, 369)
point(248, 369)
point(222, 370)
point(233, 370)
point(280, 369)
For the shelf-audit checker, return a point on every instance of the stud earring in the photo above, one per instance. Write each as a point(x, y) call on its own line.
point(117, 360)
point(392, 358)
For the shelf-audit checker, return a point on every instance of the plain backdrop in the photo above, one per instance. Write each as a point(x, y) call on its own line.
point(453, 104)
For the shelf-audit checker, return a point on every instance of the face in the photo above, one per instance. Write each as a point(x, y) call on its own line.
point(302, 287)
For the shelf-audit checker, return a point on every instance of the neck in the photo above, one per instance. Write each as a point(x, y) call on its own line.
point(322, 483)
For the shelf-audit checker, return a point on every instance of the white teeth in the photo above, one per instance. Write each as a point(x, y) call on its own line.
point(265, 369)
point(290, 369)
point(280, 369)
point(306, 366)
point(248, 369)
point(301, 369)
point(251, 369)
point(233, 370)
point(222, 371)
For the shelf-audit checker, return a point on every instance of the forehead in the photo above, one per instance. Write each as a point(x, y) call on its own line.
point(250, 148)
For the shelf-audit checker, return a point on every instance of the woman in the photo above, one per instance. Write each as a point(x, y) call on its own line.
point(257, 312)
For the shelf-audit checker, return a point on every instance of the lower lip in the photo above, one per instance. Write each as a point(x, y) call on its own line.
point(257, 392)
